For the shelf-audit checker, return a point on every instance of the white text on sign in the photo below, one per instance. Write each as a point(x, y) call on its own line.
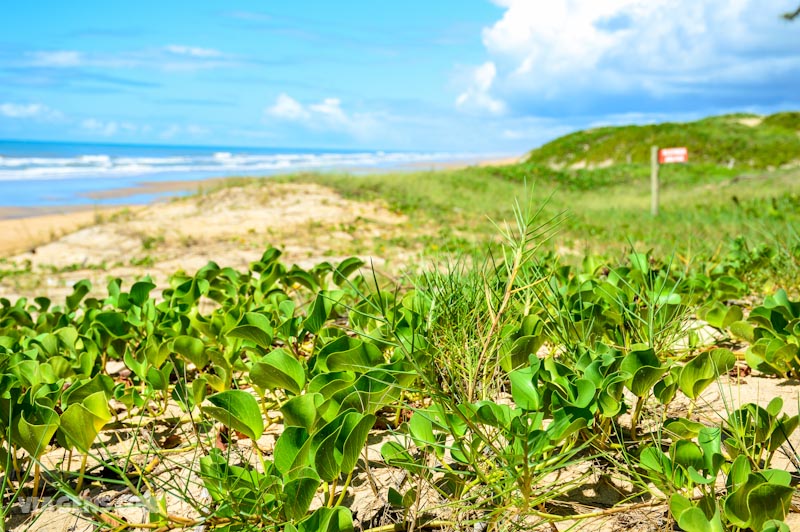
point(673, 155)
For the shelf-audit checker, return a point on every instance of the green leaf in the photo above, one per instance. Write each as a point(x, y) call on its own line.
point(260, 333)
point(710, 441)
point(79, 291)
point(691, 518)
point(328, 457)
point(238, 410)
point(36, 429)
point(639, 261)
point(655, 460)
point(525, 394)
point(774, 525)
point(361, 357)
point(743, 330)
point(337, 519)
point(158, 379)
point(289, 446)
point(82, 389)
point(645, 370)
point(193, 349)
point(775, 406)
point(345, 269)
point(585, 390)
point(720, 316)
point(82, 422)
point(768, 502)
point(318, 314)
point(278, 370)
point(704, 369)
point(682, 428)
point(421, 428)
point(686, 454)
point(356, 438)
point(140, 292)
point(678, 505)
point(302, 410)
point(739, 473)
point(300, 493)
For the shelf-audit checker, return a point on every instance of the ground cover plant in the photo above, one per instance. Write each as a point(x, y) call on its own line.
point(742, 220)
point(582, 365)
point(482, 393)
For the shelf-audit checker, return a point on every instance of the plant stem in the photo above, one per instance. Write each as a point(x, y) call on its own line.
point(398, 527)
point(635, 418)
point(36, 478)
point(331, 493)
point(344, 488)
point(84, 458)
point(598, 513)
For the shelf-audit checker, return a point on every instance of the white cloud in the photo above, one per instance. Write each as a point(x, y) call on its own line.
point(106, 129)
point(110, 128)
point(57, 58)
point(29, 111)
point(16, 110)
point(173, 57)
point(175, 130)
point(287, 108)
point(326, 114)
point(192, 51)
point(331, 109)
point(551, 49)
point(477, 96)
point(195, 130)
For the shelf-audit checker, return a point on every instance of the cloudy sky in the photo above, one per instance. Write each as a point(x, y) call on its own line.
point(472, 75)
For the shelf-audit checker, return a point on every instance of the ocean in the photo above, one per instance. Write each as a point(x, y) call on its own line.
point(45, 174)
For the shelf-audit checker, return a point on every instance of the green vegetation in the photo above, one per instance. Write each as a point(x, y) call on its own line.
point(742, 140)
point(564, 345)
point(492, 382)
point(750, 222)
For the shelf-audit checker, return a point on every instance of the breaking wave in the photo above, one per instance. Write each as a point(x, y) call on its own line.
point(18, 168)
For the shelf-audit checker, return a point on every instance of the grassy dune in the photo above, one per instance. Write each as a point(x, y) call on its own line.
point(750, 141)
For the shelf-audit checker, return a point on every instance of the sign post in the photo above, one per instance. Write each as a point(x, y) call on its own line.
point(657, 158)
point(654, 180)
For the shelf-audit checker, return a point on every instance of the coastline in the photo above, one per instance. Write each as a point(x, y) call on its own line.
point(25, 228)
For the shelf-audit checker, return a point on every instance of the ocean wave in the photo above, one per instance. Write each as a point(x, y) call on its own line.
point(105, 166)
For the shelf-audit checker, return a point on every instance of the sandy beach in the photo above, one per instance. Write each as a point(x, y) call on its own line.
point(25, 228)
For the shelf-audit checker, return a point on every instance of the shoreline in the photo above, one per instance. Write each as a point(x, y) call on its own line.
point(169, 189)
point(25, 228)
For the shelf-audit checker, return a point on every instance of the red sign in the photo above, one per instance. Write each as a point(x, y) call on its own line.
point(673, 155)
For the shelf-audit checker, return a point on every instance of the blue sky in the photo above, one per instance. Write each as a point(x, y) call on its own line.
point(468, 75)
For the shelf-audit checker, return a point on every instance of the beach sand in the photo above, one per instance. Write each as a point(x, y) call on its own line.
point(24, 229)
point(231, 226)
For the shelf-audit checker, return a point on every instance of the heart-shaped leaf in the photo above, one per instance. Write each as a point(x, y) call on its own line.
point(278, 370)
point(82, 422)
point(302, 410)
point(299, 493)
point(193, 349)
point(238, 410)
point(337, 519)
point(36, 429)
point(704, 369)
